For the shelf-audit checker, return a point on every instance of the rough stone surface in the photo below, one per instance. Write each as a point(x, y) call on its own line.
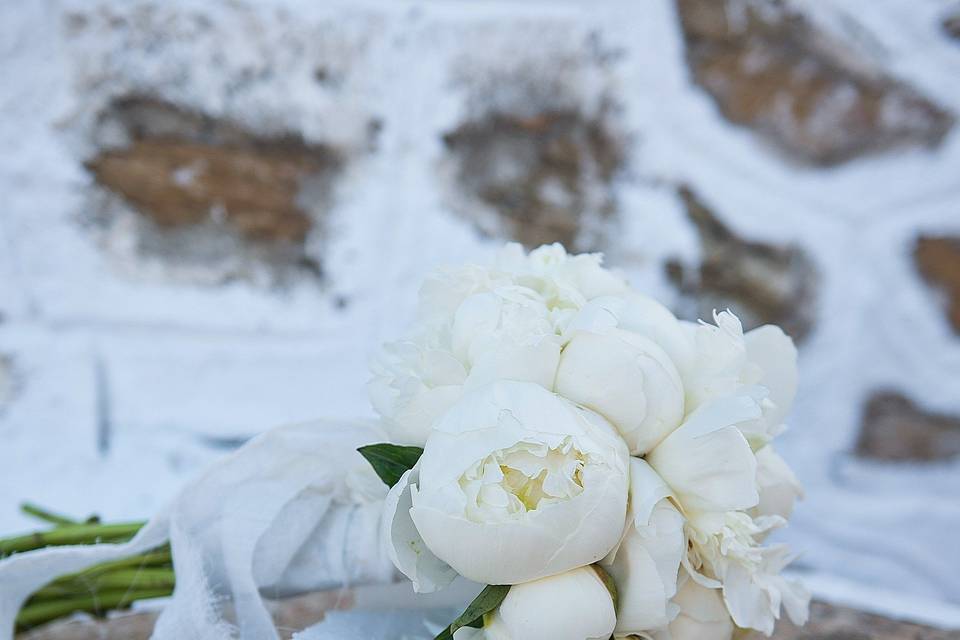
point(951, 25)
point(762, 283)
point(938, 260)
point(168, 373)
point(770, 69)
point(207, 187)
point(289, 615)
point(827, 622)
point(830, 622)
point(544, 175)
point(895, 428)
point(121, 627)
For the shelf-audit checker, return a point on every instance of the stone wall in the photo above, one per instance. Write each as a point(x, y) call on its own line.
point(214, 213)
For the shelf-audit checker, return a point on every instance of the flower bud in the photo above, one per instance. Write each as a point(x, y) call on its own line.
point(575, 605)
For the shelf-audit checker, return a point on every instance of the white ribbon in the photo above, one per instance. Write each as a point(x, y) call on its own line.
point(296, 509)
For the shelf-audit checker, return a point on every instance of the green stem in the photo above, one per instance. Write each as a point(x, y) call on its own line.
point(47, 516)
point(161, 558)
point(72, 534)
point(133, 579)
point(36, 614)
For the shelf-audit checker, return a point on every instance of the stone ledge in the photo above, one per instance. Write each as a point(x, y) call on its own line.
point(827, 622)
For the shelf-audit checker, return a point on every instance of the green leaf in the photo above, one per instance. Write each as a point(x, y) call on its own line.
point(488, 600)
point(390, 461)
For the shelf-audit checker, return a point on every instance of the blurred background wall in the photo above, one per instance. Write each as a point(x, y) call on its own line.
point(213, 213)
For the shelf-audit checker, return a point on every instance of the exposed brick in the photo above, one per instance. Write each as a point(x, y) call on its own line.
point(894, 428)
point(938, 260)
point(546, 176)
point(188, 172)
point(951, 25)
point(763, 283)
point(768, 68)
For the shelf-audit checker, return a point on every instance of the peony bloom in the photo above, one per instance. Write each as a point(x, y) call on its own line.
point(645, 564)
point(565, 281)
point(413, 384)
point(626, 378)
point(574, 605)
point(702, 614)
point(642, 316)
point(505, 336)
point(501, 335)
point(531, 383)
point(515, 484)
point(478, 324)
point(726, 554)
point(727, 361)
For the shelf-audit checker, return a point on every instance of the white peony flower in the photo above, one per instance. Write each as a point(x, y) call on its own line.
point(702, 616)
point(640, 315)
point(645, 564)
point(727, 361)
point(476, 325)
point(778, 486)
point(726, 553)
point(505, 336)
point(574, 605)
point(515, 484)
point(565, 281)
point(716, 478)
point(628, 379)
point(413, 384)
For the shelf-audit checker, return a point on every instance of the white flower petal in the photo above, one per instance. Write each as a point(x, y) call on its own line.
point(535, 363)
point(645, 570)
point(406, 548)
point(643, 315)
point(647, 488)
point(778, 486)
point(626, 378)
point(409, 421)
point(719, 359)
point(754, 595)
point(707, 461)
point(773, 351)
point(574, 605)
point(796, 601)
point(479, 314)
point(749, 606)
point(703, 615)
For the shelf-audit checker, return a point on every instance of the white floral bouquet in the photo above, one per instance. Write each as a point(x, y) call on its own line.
point(605, 469)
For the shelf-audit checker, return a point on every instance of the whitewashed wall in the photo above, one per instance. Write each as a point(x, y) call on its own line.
point(122, 376)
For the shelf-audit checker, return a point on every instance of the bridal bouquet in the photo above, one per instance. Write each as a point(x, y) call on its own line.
point(604, 469)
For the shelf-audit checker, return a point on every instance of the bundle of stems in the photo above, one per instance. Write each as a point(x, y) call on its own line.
point(102, 588)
